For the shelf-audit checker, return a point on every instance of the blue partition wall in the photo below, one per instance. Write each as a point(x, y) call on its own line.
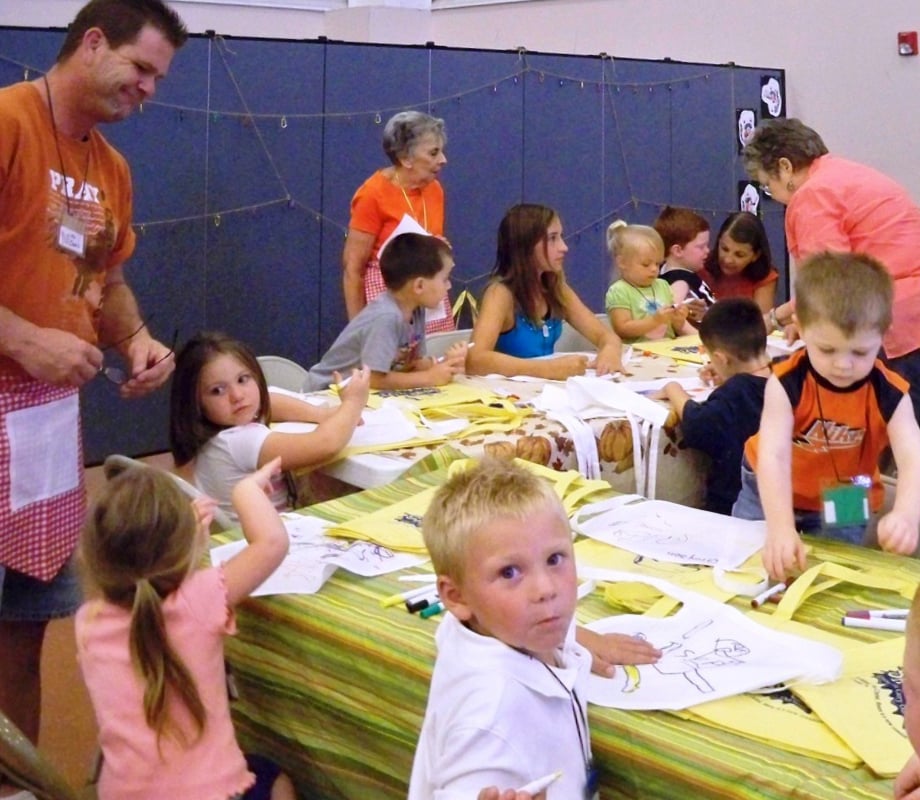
point(245, 163)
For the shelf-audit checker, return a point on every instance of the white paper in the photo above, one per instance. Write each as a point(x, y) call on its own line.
point(385, 425)
point(777, 344)
point(698, 390)
point(445, 427)
point(436, 314)
point(312, 399)
point(596, 398)
point(406, 225)
point(710, 651)
point(313, 557)
point(38, 437)
point(671, 532)
point(590, 398)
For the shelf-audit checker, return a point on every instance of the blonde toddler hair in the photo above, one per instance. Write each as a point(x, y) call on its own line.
point(474, 498)
point(625, 238)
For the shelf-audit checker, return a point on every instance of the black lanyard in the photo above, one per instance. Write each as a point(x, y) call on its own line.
point(827, 441)
point(57, 145)
point(584, 735)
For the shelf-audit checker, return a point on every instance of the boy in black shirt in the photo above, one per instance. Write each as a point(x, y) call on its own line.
point(735, 337)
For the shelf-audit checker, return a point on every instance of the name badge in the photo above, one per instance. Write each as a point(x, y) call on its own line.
point(72, 235)
point(844, 506)
point(593, 782)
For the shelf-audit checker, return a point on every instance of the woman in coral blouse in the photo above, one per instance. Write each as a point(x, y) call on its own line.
point(843, 206)
point(414, 143)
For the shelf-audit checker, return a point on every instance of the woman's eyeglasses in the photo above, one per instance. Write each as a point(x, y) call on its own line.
point(117, 375)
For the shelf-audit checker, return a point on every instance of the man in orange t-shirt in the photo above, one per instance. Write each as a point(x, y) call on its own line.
point(65, 232)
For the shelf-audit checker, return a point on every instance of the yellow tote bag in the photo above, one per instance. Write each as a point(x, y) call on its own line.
point(683, 348)
point(865, 707)
point(399, 526)
point(782, 719)
point(495, 415)
point(637, 598)
point(434, 396)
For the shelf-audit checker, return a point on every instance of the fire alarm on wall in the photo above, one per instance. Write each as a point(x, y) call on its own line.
point(907, 43)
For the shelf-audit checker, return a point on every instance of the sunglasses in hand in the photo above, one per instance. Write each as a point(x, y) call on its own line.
point(119, 376)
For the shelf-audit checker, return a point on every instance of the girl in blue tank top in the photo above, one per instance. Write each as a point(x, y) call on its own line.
point(526, 302)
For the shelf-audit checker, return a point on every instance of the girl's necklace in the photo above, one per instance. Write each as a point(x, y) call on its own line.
point(651, 303)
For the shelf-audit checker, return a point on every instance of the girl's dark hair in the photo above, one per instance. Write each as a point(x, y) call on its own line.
point(523, 228)
point(189, 429)
point(745, 228)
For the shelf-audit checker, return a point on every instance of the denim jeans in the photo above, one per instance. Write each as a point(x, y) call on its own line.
point(749, 506)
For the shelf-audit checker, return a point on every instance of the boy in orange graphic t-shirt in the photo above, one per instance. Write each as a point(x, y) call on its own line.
point(829, 412)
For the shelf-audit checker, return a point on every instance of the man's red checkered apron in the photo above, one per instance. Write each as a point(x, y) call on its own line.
point(38, 537)
point(374, 285)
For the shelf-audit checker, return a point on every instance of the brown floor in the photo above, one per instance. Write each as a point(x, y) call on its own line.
point(68, 730)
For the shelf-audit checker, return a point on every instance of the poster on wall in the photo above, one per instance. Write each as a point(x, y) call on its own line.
point(748, 197)
point(746, 122)
point(772, 97)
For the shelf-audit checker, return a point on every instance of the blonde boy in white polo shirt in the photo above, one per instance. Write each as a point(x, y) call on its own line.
point(507, 703)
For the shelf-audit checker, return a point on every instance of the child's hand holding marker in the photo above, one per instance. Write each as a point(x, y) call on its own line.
point(362, 378)
point(458, 350)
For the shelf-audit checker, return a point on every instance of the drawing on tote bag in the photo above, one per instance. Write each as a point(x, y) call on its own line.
point(710, 651)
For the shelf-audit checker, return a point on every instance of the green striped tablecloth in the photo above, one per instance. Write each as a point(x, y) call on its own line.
point(334, 688)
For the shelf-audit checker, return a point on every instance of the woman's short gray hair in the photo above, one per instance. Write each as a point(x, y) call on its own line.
point(403, 131)
point(780, 138)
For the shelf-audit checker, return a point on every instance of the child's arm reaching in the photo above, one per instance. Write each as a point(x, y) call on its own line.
point(432, 373)
point(304, 450)
point(675, 394)
point(784, 550)
point(609, 649)
point(289, 409)
point(264, 531)
point(454, 356)
point(898, 529)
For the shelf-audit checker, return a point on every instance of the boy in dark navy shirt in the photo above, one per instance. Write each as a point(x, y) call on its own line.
point(735, 337)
